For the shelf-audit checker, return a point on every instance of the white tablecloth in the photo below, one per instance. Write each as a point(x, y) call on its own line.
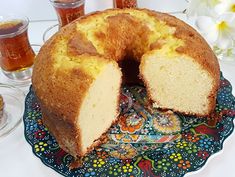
point(16, 157)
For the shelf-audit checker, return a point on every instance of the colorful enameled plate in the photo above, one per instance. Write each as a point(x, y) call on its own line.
point(145, 141)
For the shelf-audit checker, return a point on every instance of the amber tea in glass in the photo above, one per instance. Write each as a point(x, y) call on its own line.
point(125, 3)
point(68, 10)
point(16, 54)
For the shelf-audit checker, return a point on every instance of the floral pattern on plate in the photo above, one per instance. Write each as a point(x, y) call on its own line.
point(144, 142)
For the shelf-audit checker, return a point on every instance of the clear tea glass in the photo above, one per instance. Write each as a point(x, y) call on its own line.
point(16, 53)
point(125, 3)
point(68, 10)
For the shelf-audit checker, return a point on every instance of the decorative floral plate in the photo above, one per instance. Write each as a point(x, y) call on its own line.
point(145, 141)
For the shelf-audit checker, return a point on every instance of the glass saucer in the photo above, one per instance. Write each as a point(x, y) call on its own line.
point(13, 99)
point(49, 32)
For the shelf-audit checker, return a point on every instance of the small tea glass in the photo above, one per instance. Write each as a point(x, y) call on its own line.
point(16, 53)
point(67, 11)
point(124, 4)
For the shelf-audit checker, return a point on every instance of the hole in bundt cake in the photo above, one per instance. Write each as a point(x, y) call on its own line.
point(130, 71)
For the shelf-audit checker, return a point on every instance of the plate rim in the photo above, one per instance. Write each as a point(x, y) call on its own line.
point(188, 173)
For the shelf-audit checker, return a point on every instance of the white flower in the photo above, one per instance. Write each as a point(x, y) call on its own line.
point(218, 31)
point(225, 6)
point(201, 7)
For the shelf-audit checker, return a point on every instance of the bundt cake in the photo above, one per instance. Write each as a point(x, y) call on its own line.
point(78, 73)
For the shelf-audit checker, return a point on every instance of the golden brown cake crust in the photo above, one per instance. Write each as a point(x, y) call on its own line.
point(1, 103)
point(58, 90)
point(65, 133)
point(76, 47)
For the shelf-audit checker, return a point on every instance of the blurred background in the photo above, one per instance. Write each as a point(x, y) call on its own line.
point(42, 9)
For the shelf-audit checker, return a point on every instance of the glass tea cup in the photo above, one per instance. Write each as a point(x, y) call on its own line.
point(68, 10)
point(16, 53)
point(125, 3)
